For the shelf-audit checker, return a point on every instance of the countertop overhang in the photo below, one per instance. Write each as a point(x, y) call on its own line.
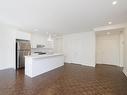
point(43, 55)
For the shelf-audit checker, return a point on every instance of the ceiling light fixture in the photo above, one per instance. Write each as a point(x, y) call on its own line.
point(109, 22)
point(114, 2)
point(108, 33)
point(50, 38)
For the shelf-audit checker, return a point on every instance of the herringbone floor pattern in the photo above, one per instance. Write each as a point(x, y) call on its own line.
point(67, 80)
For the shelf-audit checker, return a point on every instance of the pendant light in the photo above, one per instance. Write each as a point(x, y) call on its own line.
point(50, 38)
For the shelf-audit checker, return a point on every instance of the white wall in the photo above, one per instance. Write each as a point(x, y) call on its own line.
point(125, 52)
point(79, 48)
point(22, 35)
point(8, 35)
point(109, 49)
point(7, 45)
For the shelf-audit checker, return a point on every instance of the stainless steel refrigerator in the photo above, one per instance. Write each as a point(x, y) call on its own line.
point(23, 48)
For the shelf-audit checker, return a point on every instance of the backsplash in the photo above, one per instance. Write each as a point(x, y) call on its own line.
point(46, 50)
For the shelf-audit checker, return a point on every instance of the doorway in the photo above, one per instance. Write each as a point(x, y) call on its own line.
point(109, 47)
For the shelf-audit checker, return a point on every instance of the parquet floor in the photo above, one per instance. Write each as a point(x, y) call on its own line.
point(70, 79)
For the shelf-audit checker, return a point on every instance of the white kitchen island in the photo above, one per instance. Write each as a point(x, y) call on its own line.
point(39, 64)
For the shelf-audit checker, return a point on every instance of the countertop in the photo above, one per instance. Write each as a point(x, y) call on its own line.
point(34, 56)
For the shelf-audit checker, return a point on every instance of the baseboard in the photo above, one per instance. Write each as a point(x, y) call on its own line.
point(81, 64)
point(109, 64)
point(125, 71)
point(1, 69)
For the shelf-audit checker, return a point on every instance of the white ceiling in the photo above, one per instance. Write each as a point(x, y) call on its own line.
point(62, 16)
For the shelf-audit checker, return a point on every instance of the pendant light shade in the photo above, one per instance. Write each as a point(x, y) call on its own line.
point(50, 38)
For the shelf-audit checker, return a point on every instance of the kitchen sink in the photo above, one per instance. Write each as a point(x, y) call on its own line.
point(40, 53)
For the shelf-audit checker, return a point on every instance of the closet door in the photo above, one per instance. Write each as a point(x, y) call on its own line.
point(107, 50)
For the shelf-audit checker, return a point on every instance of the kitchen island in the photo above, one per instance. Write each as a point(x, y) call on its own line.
point(39, 64)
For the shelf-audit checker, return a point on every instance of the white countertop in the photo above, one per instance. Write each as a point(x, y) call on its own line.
point(43, 55)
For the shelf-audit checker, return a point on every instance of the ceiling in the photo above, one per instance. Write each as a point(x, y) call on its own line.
point(62, 16)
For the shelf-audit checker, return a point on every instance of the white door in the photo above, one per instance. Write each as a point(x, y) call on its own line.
point(108, 50)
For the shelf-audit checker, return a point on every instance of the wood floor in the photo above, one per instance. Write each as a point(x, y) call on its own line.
point(67, 80)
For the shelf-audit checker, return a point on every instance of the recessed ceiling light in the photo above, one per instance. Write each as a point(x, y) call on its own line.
point(109, 22)
point(108, 33)
point(114, 2)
